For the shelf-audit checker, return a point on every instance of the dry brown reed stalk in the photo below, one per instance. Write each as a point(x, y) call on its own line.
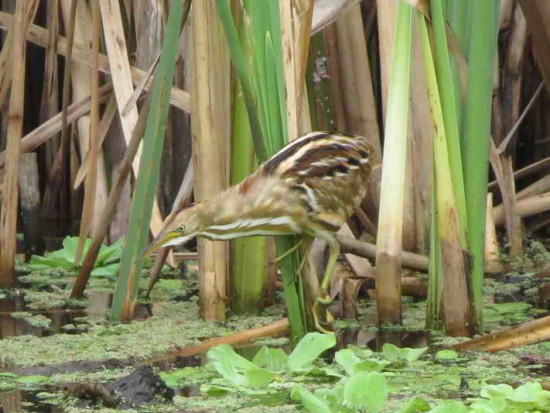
point(368, 250)
point(420, 150)
point(39, 36)
point(534, 331)
point(275, 328)
point(538, 166)
point(492, 253)
point(537, 14)
point(29, 197)
point(53, 126)
point(122, 81)
point(50, 90)
point(360, 266)
point(525, 207)
point(355, 77)
point(536, 188)
point(108, 116)
point(502, 167)
point(327, 12)
point(507, 110)
point(106, 216)
point(211, 126)
point(6, 55)
point(55, 174)
point(296, 18)
point(333, 71)
point(8, 213)
point(80, 83)
point(90, 184)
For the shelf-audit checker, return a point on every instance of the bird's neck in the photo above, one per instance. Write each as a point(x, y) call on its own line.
point(240, 213)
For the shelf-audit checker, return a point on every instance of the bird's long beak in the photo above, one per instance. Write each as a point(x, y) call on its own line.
point(157, 244)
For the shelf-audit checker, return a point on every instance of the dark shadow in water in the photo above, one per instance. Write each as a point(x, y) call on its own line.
point(17, 401)
point(59, 316)
point(375, 340)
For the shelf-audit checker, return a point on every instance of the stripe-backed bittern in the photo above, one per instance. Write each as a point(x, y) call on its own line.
point(309, 188)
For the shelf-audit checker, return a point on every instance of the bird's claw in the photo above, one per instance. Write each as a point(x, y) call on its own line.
point(329, 319)
point(324, 299)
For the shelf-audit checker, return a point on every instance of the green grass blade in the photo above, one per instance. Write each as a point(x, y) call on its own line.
point(239, 62)
point(477, 130)
point(248, 255)
point(451, 112)
point(449, 252)
point(130, 270)
point(390, 222)
point(459, 19)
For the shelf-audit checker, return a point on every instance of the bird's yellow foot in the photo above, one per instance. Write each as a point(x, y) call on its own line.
point(328, 319)
point(324, 299)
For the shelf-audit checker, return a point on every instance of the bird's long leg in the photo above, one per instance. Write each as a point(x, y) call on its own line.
point(324, 297)
point(306, 242)
point(288, 251)
point(333, 250)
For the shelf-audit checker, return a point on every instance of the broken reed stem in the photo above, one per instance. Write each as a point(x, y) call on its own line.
point(55, 175)
point(6, 55)
point(112, 201)
point(210, 126)
point(39, 36)
point(278, 327)
point(8, 214)
point(524, 207)
point(534, 331)
point(91, 177)
point(53, 126)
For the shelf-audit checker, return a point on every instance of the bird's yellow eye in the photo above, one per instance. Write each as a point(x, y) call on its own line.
point(181, 228)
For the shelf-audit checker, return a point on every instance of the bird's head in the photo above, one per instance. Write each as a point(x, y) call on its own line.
point(178, 228)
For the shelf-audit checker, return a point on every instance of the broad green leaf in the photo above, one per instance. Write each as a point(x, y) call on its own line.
point(229, 372)
point(226, 354)
point(446, 355)
point(309, 348)
point(310, 401)
point(272, 359)
point(450, 406)
point(530, 392)
point(216, 390)
point(371, 365)
point(347, 359)
point(394, 353)
point(366, 391)
point(362, 352)
point(497, 390)
point(38, 263)
point(257, 377)
point(110, 253)
point(496, 405)
point(109, 271)
point(415, 405)
point(334, 397)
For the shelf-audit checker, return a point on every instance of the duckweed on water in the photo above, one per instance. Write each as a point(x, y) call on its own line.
point(35, 320)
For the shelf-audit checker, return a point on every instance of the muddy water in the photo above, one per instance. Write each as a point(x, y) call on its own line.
point(59, 316)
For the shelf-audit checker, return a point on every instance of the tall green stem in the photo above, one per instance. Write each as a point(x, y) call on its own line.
point(130, 270)
point(481, 58)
